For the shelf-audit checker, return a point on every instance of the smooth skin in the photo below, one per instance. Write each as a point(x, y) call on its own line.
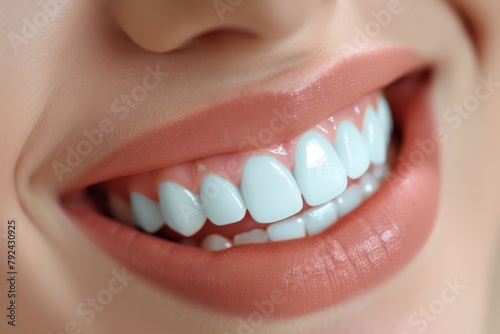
point(60, 79)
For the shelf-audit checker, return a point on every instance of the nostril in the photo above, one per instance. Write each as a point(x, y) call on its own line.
point(162, 26)
point(157, 26)
point(219, 37)
point(208, 39)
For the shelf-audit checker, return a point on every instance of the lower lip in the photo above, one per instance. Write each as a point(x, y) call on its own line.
point(285, 279)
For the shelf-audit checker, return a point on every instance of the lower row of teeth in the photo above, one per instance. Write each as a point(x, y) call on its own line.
point(272, 194)
point(310, 222)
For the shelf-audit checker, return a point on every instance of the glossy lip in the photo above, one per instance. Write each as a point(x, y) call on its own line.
point(295, 277)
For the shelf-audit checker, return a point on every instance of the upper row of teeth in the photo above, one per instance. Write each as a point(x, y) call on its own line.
point(269, 190)
point(309, 223)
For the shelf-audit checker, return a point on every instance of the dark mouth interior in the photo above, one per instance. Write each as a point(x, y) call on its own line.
point(396, 93)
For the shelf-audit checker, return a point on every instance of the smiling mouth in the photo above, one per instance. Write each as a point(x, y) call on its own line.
point(284, 191)
point(343, 202)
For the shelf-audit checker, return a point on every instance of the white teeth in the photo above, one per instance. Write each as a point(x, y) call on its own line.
point(292, 228)
point(319, 219)
point(385, 117)
point(181, 209)
point(270, 192)
point(351, 149)
point(253, 237)
point(215, 242)
point(146, 213)
point(375, 137)
point(269, 189)
point(221, 200)
point(319, 173)
point(350, 199)
point(120, 209)
point(369, 184)
point(311, 222)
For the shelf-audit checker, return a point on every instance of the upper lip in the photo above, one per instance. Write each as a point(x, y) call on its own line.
point(363, 248)
point(224, 127)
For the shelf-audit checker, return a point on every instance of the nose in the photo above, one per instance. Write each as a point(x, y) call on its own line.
point(164, 25)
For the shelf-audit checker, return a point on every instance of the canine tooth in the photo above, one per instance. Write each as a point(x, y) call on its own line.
point(375, 137)
point(120, 209)
point(222, 201)
point(146, 213)
point(350, 199)
point(369, 184)
point(385, 117)
point(215, 242)
point(253, 237)
point(181, 209)
point(319, 219)
point(351, 149)
point(269, 189)
point(319, 173)
point(292, 228)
